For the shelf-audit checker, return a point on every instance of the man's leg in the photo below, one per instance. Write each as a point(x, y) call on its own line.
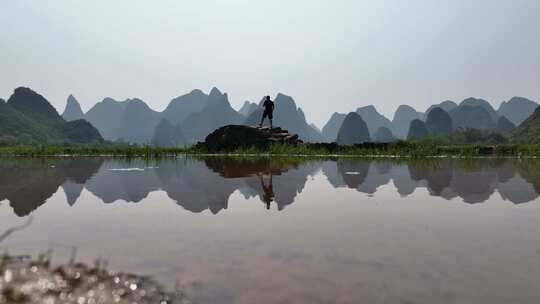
point(271, 125)
point(262, 120)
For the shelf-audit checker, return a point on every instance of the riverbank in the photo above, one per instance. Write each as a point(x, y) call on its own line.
point(394, 149)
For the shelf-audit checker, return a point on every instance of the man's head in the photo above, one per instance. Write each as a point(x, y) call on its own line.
point(268, 98)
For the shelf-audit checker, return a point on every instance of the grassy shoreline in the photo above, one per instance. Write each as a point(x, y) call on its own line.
point(396, 149)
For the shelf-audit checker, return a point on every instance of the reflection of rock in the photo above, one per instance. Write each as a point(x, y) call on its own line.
point(530, 171)
point(28, 183)
point(438, 175)
point(473, 181)
point(128, 181)
point(517, 190)
point(231, 167)
point(474, 186)
point(378, 175)
point(72, 191)
point(402, 180)
point(207, 184)
point(278, 178)
point(353, 173)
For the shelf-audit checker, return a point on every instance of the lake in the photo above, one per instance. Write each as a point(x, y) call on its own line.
point(279, 230)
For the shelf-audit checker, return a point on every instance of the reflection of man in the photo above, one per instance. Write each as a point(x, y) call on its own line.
point(268, 190)
point(268, 111)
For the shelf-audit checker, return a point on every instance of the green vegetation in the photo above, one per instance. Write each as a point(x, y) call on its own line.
point(99, 150)
point(28, 118)
point(425, 148)
point(529, 130)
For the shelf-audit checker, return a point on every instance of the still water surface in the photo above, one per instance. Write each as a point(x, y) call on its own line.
point(288, 231)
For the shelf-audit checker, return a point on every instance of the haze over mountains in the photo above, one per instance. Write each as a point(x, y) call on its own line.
point(190, 117)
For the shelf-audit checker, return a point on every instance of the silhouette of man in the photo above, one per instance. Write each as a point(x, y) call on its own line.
point(268, 111)
point(268, 190)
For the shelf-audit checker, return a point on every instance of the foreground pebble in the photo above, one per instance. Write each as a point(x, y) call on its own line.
point(25, 281)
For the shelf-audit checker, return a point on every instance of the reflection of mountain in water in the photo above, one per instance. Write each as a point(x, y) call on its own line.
point(473, 181)
point(207, 184)
point(28, 183)
point(202, 185)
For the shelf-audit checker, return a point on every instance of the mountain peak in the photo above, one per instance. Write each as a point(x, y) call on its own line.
point(402, 120)
point(354, 130)
point(285, 101)
point(33, 105)
point(73, 109)
point(196, 92)
point(248, 108)
point(447, 105)
point(215, 92)
point(517, 109)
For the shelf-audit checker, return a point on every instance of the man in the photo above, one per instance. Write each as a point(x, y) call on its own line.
point(268, 190)
point(268, 111)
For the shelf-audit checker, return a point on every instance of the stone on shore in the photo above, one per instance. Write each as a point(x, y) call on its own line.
point(233, 137)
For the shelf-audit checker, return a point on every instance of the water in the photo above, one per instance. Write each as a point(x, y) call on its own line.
point(289, 231)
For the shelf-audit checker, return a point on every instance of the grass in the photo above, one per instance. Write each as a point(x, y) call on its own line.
point(127, 151)
point(399, 149)
point(394, 149)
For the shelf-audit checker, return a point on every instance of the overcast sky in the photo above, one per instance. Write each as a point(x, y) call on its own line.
point(329, 55)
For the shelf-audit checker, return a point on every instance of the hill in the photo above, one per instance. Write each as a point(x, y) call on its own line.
point(374, 119)
point(331, 128)
point(354, 130)
point(129, 120)
point(517, 109)
point(73, 110)
point(28, 118)
point(216, 113)
point(181, 107)
point(402, 119)
point(248, 108)
point(528, 132)
point(468, 116)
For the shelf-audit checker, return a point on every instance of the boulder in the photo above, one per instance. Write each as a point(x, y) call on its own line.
point(232, 137)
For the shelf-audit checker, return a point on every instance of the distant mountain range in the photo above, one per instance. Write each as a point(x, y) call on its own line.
point(446, 117)
point(190, 117)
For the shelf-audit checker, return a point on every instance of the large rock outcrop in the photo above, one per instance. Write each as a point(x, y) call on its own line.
point(417, 130)
point(517, 109)
point(472, 117)
point(331, 128)
point(374, 119)
point(438, 122)
point(354, 130)
point(446, 105)
point(233, 137)
point(73, 110)
point(402, 119)
point(168, 135)
point(383, 135)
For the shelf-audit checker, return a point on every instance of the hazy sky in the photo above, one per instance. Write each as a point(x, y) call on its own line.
point(329, 55)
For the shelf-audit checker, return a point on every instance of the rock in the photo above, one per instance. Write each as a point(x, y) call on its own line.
point(438, 122)
point(233, 137)
point(417, 130)
point(354, 130)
